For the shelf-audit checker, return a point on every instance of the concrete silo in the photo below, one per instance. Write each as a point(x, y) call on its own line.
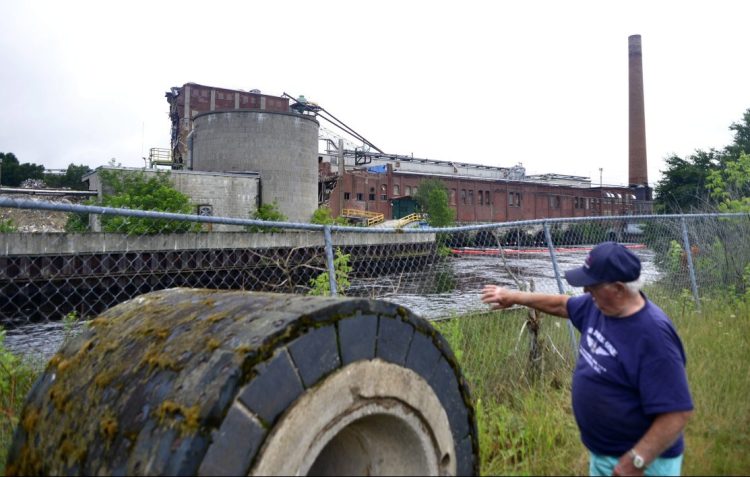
point(282, 147)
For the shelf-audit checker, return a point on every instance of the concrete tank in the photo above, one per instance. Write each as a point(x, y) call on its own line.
point(282, 147)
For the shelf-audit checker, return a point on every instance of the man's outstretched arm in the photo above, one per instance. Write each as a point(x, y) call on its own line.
point(500, 298)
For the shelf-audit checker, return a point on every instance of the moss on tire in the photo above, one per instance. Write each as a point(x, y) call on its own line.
point(166, 382)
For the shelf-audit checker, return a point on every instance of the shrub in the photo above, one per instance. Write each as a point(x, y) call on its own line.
point(268, 213)
point(321, 285)
point(6, 226)
point(322, 216)
point(134, 190)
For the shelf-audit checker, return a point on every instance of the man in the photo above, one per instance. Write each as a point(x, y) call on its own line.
point(630, 393)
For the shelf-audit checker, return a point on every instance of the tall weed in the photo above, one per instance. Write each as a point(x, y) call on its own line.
point(16, 378)
point(717, 344)
point(527, 427)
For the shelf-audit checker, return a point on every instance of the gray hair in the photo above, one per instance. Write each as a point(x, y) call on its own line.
point(634, 286)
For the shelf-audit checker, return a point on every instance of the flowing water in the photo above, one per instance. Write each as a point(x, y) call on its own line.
point(451, 288)
point(469, 274)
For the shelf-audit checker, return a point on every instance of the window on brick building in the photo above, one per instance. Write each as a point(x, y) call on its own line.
point(554, 202)
point(396, 190)
point(372, 194)
point(452, 197)
point(407, 190)
point(471, 197)
point(360, 196)
point(486, 197)
point(463, 196)
point(347, 196)
point(480, 198)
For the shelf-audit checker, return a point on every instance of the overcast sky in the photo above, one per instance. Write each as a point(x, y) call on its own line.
point(497, 83)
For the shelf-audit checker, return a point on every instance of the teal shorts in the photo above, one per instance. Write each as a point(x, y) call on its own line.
point(605, 465)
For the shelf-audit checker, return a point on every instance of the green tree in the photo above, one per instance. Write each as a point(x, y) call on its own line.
point(322, 216)
point(741, 141)
point(432, 197)
point(13, 173)
point(730, 185)
point(134, 190)
point(71, 179)
point(723, 251)
point(683, 185)
point(268, 213)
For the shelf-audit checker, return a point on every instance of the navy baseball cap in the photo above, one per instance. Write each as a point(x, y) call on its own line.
point(608, 262)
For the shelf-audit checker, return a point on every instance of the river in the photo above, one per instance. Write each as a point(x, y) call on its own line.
point(453, 287)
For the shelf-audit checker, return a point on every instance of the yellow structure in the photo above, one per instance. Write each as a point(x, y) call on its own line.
point(370, 218)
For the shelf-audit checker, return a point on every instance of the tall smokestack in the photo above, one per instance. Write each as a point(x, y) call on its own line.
point(638, 170)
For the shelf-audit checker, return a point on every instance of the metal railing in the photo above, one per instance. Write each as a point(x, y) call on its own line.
point(370, 218)
point(404, 221)
point(160, 157)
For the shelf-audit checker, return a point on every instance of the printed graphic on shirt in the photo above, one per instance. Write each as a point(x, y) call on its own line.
point(597, 345)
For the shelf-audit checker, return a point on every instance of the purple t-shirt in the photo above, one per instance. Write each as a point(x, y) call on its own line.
point(629, 370)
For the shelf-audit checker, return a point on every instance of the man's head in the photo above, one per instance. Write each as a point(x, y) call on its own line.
point(608, 262)
point(608, 274)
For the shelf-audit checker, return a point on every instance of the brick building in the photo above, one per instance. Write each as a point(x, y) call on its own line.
point(191, 99)
point(381, 183)
point(484, 194)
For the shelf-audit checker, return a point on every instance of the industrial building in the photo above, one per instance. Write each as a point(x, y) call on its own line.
point(273, 141)
point(477, 193)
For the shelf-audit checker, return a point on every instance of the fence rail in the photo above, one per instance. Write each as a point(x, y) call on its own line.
point(437, 273)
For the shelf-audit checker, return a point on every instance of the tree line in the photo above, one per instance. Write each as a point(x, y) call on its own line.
point(707, 181)
point(13, 173)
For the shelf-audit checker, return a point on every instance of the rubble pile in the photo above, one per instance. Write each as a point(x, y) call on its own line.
point(33, 184)
point(28, 220)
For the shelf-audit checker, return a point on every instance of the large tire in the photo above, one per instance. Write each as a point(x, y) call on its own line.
point(188, 381)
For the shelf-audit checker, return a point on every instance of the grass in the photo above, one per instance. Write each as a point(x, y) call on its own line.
point(525, 418)
point(717, 343)
point(16, 378)
point(526, 424)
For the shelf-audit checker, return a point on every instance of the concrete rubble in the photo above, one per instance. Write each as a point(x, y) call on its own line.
point(38, 220)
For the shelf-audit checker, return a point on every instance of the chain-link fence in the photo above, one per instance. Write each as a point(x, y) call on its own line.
point(49, 278)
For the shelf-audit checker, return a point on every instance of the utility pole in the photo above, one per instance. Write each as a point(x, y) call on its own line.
point(1, 168)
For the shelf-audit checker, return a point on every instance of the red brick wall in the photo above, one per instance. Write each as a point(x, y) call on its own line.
point(537, 201)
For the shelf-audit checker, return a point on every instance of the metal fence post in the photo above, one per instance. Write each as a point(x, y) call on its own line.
point(691, 268)
point(560, 287)
point(329, 260)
